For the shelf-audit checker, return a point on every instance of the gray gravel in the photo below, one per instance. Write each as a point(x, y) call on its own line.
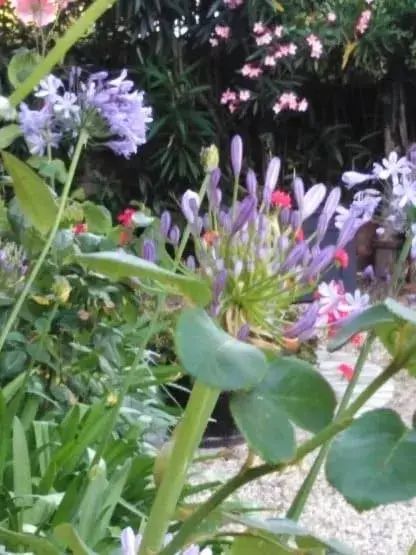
point(389, 530)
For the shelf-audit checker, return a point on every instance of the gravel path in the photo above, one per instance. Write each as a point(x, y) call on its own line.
point(389, 530)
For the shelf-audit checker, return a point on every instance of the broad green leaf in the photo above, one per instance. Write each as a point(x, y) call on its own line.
point(10, 390)
point(9, 134)
point(36, 200)
point(44, 440)
point(22, 477)
point(21, 66)
point(38, 545)
point(368, 319)
point(118, 265)
point(251, 545)
point(98, 218)
point(372, 463)
point(214, 357)
point(54, 169)
point(12, 363)
point(70, 538)
point(401, 311)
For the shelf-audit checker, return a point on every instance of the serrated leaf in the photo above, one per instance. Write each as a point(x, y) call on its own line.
point(118, 265)
point(214, 357)
point(9, 134)
point(372, 462)
point(36, 200)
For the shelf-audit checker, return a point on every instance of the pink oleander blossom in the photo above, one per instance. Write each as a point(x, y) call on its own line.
point(222, 31)
point(363, 22)
point(331, 17)
point(316, 46)
point(259, 28)
point(251, 71)
point(244, 95)
point(233, 4)
point(290, 101)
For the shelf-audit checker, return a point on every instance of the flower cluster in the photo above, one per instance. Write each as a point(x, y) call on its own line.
point(13, 267)
point(221, 33)
point(316, 46)
point(38, 12)
point(130, 544)
point(254, 252)
point(290, 101)
point(233, 4)
point(111, 110)
point(233, 99)
point(395, 208)
point(363, 22)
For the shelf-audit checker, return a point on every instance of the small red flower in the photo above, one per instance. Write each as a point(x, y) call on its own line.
point(357, 340)
point(341, 258)
point(126, 217)
point(209, 237)
point(80, 228)
point(346, 370)
point(299, 235)
point(282, 199)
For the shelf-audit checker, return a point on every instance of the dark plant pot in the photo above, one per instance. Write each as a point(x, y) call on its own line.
point(221, 431)
point(386, 252)
point(348, 275)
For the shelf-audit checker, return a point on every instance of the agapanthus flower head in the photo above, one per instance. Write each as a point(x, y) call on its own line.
point(13, 267)
point(111, 110)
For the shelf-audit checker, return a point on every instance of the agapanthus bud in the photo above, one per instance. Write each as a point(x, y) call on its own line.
point(243, 332)
point(251, 183)
point(190, 262)
point(304, 328)
point(312, 200)
point(295, 219)
point(320, 262)
point(175, 235)
point(332, 202)
point(267, 197)
point(219, 284)
point(245, 212)
point(352, 178)
point(283, 244)
point(347, 232)
point(238, 268)
point(190, 205)
point(322, 227)
point(215, 179)
point(294, 256)
point(299, 192)
point(284, 216)
point(236, 154)
point(272, 174)
point(149, 250)
point(165, 223)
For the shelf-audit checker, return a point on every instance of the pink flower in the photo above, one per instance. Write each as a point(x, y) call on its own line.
point(289, 100)
point(223, 31)
point(284, 50)
point(36, 12)
point(363, 22)
point(213, 42)
point(278, 31)
point(303, 105)
point(347, 371)
point(251, 71)
point(316, 46)
point(233, 4)
point(228, 96)
point(269, 61)
point(259, 28)
point(244, 95)
point(264, 39)
point(232, 107)
point(331, 17)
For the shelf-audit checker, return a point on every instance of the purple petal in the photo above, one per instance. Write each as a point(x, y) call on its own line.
point(272, 174)
point(251, 183)
point(245, 212)
point(294, 256)
point(352, 178)
point(299, 192)
point(149, 250)
point(165, 223)
point(236, 154)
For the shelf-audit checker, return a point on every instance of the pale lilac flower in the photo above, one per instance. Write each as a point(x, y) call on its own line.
point(251, 183)
point(66, 105)
point(236, 154)
point(190, 205)
point(149, 250)
point(165, 223)
point(130, 542)
point(352, 178)
point(312, 200)
point(405, 190)
point(392, 166)
point(305, 327)
point(245, 212)
point(272, 174)
point(368, 273)
point(354, 302)
point(49, 87)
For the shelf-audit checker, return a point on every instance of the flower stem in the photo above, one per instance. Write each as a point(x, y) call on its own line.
point(339, 424)
point(39, 262)
point(188, 437)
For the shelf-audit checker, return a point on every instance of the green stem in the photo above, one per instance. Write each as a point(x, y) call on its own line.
point(299, 502)
point(235, 196)
point(192, 522)
point(398, 269)
point(71, 36)
point(39, 262)
point(188, 437)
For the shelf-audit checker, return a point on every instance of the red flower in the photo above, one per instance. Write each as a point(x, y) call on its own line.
point(79, 228)
point(346, 370)
point(341, 258)
point(126, 217)
point(299, 235)
point(357, 340)
point(282, 199)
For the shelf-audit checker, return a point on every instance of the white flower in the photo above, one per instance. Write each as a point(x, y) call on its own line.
point(342, 215)
point(66, 105)
point(190, 205)
point(49, 87)
point(405, 190)
point(352, 178)
point(393, 166)
point(330, 296)
point(130, 543)
point(7, 112)
point(354, 302)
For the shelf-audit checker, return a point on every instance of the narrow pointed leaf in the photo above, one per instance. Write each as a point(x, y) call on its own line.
point(29, 541)
point(9, 134)
point(71, 539)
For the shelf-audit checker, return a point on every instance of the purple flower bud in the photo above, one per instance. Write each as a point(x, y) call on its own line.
point(214, 310)
point(251, 183)
point(369, 273)
point(207, 222)
point(332, 202)
point(321, 228)
point(283, 244)
point(294, 256)
point(295, 219)
point(190, 263)
point(272, 174)
point(219, 284)
point(352, 178)
point(246, 210)
point(299, 192)
point(243, 332)
point(149, 250)
point(347, 232)
point(285, 214)
point(175, 235)
point(197, 225)
point(305, 325)
point(320, 262)
point(236, 154)
point(267, 197)
point(165, 223)
point(215, 179)
point(190, 205)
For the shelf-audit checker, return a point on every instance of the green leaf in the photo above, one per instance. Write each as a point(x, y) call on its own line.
point(368, 319)
point(10, 390)
point(22, 477)
point(12, 363)
point(215, 358)
point(43, 438)
point(250, 545)
point(21, 66)
point(70, 538)
point(118, 265)
point(40, 546)
point(401, 311)
point(4, 435)
point(36, 200)
point(8, 135)
point(98, 218)
point(372, 463)
point(54, 169)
